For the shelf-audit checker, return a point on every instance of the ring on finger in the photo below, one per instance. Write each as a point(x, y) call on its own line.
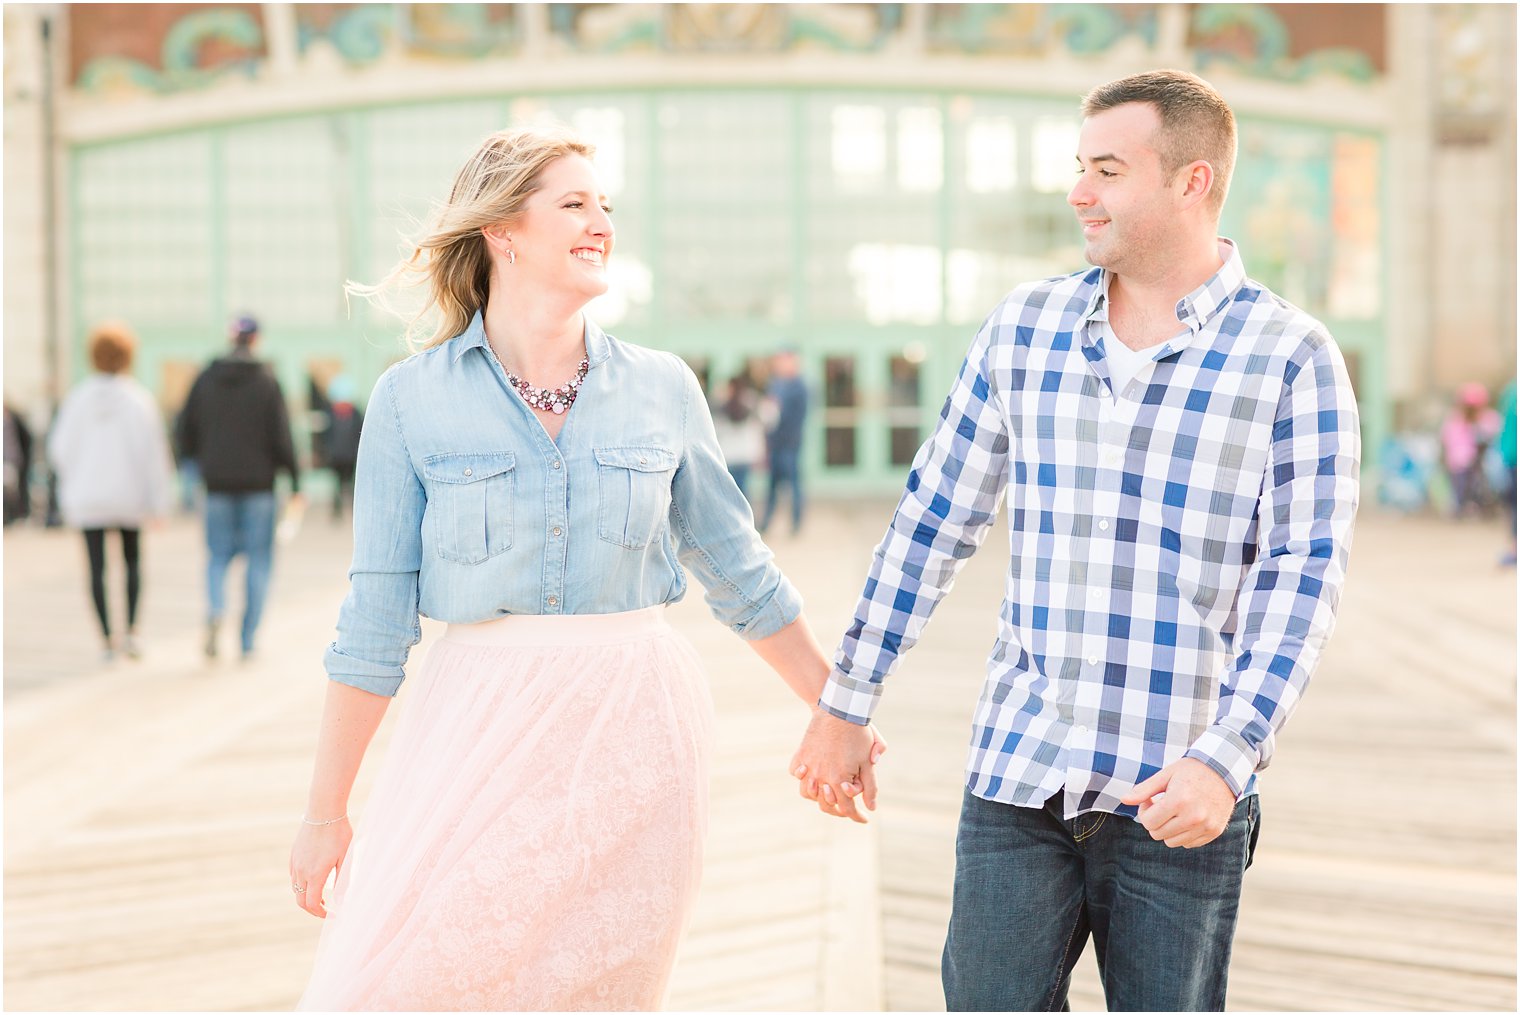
point(298, 889)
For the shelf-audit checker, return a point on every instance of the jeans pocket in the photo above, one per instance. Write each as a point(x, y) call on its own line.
point(470, 504)
point(633, 493)
point(1253, 817)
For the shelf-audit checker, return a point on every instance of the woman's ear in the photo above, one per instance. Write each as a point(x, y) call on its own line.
point(498, 237)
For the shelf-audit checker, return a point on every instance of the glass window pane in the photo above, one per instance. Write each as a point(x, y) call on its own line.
point(904, 374)
point(839, 382)
point(897, 282)
point(920, 149)
point(839, 402)
point(284, 210)
point(145, 231)
point(861, 241)
point(904, 388)
point(859, 146)
point(839, 446)
point(725, 232)
point(905, 442)
point(991, 153)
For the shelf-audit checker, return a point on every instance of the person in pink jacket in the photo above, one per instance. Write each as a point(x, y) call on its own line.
point(1467, 431)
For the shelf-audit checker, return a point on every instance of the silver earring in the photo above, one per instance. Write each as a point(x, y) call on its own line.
point(511, 257)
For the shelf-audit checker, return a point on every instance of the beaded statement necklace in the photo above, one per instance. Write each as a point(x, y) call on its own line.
point(556, 400)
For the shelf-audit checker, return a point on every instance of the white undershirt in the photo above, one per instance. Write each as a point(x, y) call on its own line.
point(1123, 362)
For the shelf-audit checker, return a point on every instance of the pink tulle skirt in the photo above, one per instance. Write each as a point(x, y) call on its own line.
point(534, 839)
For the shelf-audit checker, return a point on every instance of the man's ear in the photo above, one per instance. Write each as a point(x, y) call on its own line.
point(1196, 181)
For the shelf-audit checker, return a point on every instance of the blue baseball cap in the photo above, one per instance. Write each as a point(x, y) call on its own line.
point(244, 327)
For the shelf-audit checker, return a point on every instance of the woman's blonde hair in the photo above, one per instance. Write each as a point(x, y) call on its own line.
point(112, 346)
point(450, 255)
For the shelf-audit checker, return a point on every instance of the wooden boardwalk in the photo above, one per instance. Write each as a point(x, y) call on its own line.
point(149, 805)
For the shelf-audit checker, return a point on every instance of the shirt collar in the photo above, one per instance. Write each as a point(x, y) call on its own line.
point(1197, 307)
point(474, 337)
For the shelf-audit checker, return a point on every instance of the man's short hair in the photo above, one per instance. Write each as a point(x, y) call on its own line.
point(112, 346)
point(1196, 122)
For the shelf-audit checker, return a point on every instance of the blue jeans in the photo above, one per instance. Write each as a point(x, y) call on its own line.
point(240, 523)
point(785, 470)
point(1031, 886)
point(741, 477)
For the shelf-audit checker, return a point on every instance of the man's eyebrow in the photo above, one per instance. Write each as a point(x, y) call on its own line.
point(1107, 157)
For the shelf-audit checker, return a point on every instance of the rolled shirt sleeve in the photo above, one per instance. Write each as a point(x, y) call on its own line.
point(1290, 594)
point(378, 623)
point(716, 537)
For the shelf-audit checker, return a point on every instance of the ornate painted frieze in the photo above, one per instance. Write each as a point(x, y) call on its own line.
point(1290, 42)
point(136, 49)
point(158, 48)
point(1036, 30)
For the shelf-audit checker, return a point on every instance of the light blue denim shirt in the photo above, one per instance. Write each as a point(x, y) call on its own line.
point(465, 510)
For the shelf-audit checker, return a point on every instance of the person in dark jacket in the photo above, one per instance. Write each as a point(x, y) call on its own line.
point(340, 441)
point(18, 467)
point(235, 426)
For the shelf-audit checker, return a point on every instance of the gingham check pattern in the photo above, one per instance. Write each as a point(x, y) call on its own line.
point(1177, 550)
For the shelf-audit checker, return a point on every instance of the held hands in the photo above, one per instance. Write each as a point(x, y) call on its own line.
point(834, 765)
point(318, 851)
point(1185, 804)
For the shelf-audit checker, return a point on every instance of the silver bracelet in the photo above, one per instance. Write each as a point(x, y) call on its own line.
point(307, 821)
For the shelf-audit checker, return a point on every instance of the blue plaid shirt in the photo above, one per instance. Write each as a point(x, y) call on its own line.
point(1178, 548)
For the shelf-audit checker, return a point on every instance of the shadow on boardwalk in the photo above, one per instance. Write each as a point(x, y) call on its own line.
point(148, 805)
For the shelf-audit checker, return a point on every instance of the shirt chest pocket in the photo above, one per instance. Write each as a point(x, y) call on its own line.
point(633, 493)
point(470, 504)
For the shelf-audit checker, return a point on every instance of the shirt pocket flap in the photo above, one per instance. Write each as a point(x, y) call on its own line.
point(467, 468)
point(637, 459)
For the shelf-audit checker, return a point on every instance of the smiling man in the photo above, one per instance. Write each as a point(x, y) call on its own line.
point(1179, 448)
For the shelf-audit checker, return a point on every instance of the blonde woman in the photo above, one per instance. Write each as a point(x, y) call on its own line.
point(111, 452)
point(533, 840)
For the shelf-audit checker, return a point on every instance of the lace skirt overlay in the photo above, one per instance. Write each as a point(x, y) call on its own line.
point(534, 838)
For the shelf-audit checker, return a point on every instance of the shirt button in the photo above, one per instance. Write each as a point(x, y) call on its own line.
point(469, 472)
point(1092, 660)
point(555, 530)
point(556, 464)
point(1103, 524)
point(1097, 593)
point(1082, 730)
point(553, 600)
point(643, 461)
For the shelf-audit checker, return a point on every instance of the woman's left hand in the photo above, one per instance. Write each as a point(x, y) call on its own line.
point(318, 851)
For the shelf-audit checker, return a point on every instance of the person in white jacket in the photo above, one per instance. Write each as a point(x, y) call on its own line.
point(110, 451)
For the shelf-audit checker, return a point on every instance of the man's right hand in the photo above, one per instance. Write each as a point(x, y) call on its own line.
point(834, 765)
